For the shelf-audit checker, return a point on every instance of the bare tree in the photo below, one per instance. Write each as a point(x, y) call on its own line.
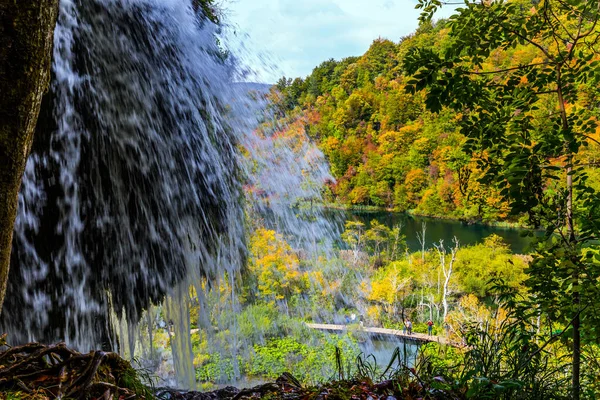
point(354, 237)
point(446, 268)
point(26, 38)
point(429, 306)
point(421, 239)
point(398, 286)
point(396, 232)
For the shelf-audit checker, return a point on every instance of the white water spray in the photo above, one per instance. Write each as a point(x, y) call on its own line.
point(134, 188)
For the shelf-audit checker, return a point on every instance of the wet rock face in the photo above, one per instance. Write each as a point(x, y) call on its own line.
point(133, 176)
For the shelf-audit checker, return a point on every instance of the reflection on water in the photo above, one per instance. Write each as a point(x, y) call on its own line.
point(382, 351)
point(467, 234)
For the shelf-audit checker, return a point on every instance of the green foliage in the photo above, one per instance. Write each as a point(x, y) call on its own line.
point(209, 9)
point(354, 235)
point(313, 362)
point(529, 124)
point(507, 362)
point(13, 396)
point(367, 366)
point(442, 360)
point(476, 265)
point(216, 369)
point(139, 380)
point(257, 322)
point(383, 244)
point(506, 356)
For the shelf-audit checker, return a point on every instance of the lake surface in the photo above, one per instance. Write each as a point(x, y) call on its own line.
point(467, 234)
point(383, 350)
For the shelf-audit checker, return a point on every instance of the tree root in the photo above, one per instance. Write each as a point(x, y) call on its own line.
point(64, 373)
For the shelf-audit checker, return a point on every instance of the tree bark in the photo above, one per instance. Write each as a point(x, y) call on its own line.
point(26, 39)
point(571, 242)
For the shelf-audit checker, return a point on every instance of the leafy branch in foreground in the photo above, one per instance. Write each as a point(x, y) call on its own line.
point(528, 130)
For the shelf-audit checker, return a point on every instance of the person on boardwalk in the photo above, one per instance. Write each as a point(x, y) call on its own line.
point(429, 327)
point(409, 326)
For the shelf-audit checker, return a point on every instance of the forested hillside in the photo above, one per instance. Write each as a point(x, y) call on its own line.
point(385, 149)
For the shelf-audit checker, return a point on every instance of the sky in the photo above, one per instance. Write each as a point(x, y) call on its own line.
point(291, 37)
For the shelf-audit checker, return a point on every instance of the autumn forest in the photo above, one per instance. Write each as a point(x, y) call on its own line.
point(421, 221)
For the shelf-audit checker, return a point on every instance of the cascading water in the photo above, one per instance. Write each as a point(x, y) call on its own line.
point(135, 162)
point(134, 187)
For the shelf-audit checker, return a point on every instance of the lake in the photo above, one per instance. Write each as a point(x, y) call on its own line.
point(467, 234)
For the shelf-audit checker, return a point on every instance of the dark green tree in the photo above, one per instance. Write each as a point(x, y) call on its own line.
point(525, 127)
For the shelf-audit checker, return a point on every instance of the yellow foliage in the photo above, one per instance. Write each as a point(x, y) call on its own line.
point(471, 310)
point(415, 180)
point(373, 313)
point(391, 285)
point(524, 80)
point(275, 266)
point(364, 287)
point(160, 339)
point(359, 195)
point(317, 278)
point(393, 142)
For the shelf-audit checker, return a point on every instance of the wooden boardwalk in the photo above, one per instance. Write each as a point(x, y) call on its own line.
point(382, 332)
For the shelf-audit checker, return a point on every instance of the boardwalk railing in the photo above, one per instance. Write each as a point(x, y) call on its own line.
point(414, 337)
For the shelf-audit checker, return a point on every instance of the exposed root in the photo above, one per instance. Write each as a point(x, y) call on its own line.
point(58, 372)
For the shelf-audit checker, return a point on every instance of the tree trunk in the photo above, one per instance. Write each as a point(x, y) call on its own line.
point(571, 241)
point(576, 386)
point(421, 239)
point(26, 38)
point(447, 272)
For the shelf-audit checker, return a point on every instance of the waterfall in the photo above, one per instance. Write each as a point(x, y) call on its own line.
point(134, 158)
point(134, 189)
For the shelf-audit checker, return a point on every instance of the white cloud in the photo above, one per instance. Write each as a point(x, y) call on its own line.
point(300, 34)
